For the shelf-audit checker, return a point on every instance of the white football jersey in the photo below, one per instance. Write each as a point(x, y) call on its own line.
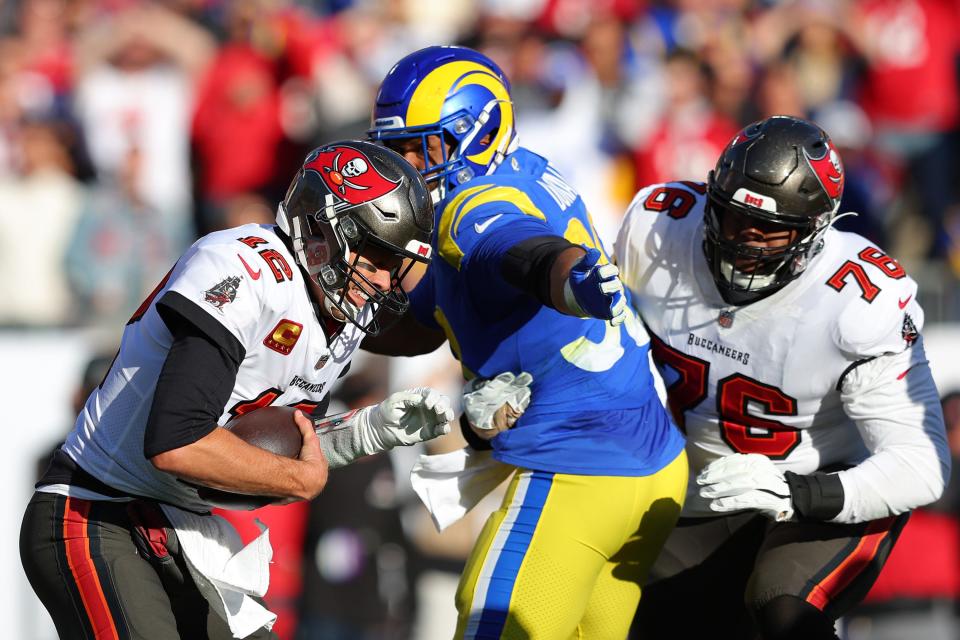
point(813, 376)
point(249, 284)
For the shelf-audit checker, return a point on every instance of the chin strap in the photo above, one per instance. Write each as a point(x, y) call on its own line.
point(331, 310)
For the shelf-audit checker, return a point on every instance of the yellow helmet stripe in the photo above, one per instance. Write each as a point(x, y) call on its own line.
point(426, 103)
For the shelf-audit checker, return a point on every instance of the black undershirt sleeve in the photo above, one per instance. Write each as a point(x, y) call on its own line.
point(527, 265)
point(196, 380)
point(174, 308)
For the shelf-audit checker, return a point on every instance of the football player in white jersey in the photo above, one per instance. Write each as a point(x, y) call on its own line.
point(793, 360)
point(248, 317)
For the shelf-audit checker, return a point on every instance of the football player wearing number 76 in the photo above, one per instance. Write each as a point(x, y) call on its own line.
point(521, 284)
point(793, 358)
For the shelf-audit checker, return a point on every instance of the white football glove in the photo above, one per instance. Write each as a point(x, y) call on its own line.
point(746, 481)
point(408, 417)
point(404, 418)
point(494, 405)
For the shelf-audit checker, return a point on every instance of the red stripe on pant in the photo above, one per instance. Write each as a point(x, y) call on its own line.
point(76, 538)
point(841, 577)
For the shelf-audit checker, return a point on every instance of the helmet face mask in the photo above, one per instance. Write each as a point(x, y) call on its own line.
point(457, 96)
point(353, 209)
point(773, 195)
point(749, 271)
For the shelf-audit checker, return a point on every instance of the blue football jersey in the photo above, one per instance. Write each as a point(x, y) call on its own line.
point(594, 409)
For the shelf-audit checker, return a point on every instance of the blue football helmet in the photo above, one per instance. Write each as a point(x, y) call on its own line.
point(457, 94)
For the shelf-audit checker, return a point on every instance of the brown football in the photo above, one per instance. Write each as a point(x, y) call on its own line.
point(270, 428)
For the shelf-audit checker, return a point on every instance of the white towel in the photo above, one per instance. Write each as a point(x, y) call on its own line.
point(226, 572)
point(450, 484)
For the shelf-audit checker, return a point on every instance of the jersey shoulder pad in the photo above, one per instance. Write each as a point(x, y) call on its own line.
point(477, 210)
point(268, 258)
point(237, 274)
point(878, 311)
point(669, 203)
point(523, 162)
point(660, 216)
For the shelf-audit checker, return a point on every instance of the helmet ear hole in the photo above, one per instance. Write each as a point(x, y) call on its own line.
point(488, 137)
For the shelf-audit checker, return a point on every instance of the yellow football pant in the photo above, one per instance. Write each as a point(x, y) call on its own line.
point(565, 555)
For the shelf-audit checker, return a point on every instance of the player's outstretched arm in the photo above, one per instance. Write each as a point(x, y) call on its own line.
point(404, 418)
point(566, 277)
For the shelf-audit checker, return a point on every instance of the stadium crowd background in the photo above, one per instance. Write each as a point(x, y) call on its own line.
point(129, 128)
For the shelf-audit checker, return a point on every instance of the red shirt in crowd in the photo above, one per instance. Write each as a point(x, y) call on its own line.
point(911, 77)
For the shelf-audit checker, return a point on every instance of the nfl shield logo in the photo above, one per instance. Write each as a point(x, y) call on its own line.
point(725, 319)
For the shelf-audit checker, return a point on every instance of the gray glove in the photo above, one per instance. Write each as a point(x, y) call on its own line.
point(404, 418)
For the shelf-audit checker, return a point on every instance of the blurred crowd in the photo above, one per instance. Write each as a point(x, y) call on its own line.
point(128, 128)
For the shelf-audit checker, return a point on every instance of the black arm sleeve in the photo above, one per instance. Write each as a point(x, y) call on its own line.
point(194, 384)
point(818, 496)
point(527, 265)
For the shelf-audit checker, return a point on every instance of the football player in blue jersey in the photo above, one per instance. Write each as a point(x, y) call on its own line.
point(523, 284)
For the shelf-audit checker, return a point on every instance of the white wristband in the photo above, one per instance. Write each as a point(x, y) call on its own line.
point(347, 436)
point(571, 301)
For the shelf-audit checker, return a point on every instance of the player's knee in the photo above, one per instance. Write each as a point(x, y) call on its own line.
point(791, 618)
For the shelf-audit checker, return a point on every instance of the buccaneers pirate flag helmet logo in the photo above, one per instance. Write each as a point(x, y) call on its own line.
point(829, 170)
point(350, 174)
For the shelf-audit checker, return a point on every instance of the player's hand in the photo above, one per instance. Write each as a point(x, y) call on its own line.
point(595, 290)
point(746, 481)
point(495, 405)
point(411, 416)
point(404, 418)
point(316, 470)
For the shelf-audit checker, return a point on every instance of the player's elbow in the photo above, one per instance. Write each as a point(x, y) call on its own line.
point(927, 494)
point(172, 461)
point(940, 484)
point(929, 487)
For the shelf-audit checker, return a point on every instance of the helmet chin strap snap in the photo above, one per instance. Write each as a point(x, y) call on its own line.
point(329, 276)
